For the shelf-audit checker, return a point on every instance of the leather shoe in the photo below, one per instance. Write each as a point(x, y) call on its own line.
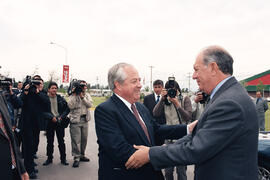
point(76, 164)
point(32, 175)
point(84, 159)
point(47, 162)
point(64, 162)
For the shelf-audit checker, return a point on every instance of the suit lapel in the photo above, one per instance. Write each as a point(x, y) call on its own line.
point(129, 117)
point(146, 121)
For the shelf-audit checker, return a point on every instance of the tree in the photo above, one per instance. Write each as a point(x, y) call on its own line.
point(260, 87)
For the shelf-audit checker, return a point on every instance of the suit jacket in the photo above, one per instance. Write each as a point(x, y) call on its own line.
point(118, 130)
point(261, 108)
point(5, 156)
point(224, 144)
point(150, 102)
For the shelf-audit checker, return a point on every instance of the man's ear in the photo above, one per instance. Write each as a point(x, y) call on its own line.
point(213, 68)
point(117, 86)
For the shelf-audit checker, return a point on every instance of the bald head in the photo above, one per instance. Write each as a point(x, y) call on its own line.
point(219, 55)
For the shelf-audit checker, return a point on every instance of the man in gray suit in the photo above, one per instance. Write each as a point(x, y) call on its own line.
point(224, 144)
point(261, 107)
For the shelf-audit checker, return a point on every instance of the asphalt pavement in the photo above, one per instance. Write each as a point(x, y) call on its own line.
point(86, 170)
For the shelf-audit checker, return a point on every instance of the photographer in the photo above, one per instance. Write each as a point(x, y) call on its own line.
point(57, 122)
point(13, 102)
point(199, 101)
point(177, 110)
point(35, 104)
point(79, 103)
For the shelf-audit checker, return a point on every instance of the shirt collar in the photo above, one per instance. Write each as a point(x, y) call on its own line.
point(125, 102)
point(156, 96)
point(218, 86)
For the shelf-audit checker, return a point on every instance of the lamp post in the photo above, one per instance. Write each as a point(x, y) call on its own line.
point(65, 67)
point(66, 51)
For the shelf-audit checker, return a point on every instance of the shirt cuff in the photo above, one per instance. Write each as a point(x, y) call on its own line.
point(188, 130)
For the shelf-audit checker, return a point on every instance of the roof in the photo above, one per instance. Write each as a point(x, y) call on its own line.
point(257, 76)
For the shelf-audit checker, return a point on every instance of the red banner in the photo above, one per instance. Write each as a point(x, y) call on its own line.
point(65, 73)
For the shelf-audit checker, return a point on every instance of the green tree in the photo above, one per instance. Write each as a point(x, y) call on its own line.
point(260, 87)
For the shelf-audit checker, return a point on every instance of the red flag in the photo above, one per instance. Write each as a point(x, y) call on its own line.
point(65, 73)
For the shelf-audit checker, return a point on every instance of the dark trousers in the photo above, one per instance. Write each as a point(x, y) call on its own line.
point(36, 139)
point(53, 128)
point(28, 149)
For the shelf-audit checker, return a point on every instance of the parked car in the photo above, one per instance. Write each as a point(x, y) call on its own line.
point(264, 156)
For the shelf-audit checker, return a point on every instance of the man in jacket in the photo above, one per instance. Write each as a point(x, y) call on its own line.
point(79, 103)
point(261, 108)
point(224, 144)
point(56, 119)
point(11, 165)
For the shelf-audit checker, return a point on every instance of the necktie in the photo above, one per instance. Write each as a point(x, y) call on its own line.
point(157, 98)
point(2, 127)
point(134, 109)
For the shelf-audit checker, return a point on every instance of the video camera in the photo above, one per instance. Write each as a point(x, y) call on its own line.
point(171, 92)
point(5, 83)
point(33, 83)
point(75, 86)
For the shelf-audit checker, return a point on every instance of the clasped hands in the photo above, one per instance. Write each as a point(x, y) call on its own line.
point(141, 156)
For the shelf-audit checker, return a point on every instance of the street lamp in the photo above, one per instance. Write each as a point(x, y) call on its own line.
point(66, 51)
point(65, 67)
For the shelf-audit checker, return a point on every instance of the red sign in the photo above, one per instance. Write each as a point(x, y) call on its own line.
point(65, 73)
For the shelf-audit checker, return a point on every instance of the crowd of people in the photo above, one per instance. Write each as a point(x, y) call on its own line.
point(216, 130)
point(29, 109)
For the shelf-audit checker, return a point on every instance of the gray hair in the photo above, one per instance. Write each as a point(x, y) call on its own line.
point(219, 55)
point(117, 74)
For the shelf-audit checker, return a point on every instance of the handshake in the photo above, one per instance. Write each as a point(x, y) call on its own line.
point(141, 156)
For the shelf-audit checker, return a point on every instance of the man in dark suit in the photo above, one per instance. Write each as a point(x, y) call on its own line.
point(224, 143)
point(11, 165)
point(150, 101)
point(122, 122)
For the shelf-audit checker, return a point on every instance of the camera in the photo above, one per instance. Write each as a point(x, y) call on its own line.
point(75, 86)
point(171, 92)
point(205, 97)
point(5, 83)
point(33, 83)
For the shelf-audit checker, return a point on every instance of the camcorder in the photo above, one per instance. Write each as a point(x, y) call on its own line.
point(5, 83)
point(205, 97)
point(76, 87)
point(171, 92)
point(33, 83)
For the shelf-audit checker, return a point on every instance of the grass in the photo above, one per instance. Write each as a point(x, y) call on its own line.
point(267, 119)
point(98, 100)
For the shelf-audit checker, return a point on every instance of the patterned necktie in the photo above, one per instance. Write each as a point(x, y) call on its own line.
point(134, 109)
point(2, 127)
point(157, 98)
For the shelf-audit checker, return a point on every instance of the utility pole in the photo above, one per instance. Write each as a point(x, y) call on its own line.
point(151, 67)
point(189, 76)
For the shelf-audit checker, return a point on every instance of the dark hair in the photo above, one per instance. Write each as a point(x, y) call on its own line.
point(176, 85)
point(37, 77)
point(52, 83)
point(158, 82)
point(219, 55)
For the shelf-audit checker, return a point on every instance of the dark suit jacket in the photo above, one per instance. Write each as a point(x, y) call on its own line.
point(150, 102)
point(224, 144)
point(5, 156)
point(117, 131)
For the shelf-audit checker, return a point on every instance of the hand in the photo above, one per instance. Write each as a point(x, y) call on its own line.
point(25, 176)
point(26, 89)
point(175, 101)
point(138, 158)
point(163, 93)
point(192, 125)
point(198, 97)
point(54, 119)
point(82, 95)
point(10, 90)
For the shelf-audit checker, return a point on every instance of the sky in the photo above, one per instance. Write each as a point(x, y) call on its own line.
point(167, 35)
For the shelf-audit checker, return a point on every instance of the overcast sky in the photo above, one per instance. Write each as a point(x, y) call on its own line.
point(166, 34)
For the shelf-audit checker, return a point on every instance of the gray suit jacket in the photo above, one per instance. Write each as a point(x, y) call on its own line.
point(224, 144)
